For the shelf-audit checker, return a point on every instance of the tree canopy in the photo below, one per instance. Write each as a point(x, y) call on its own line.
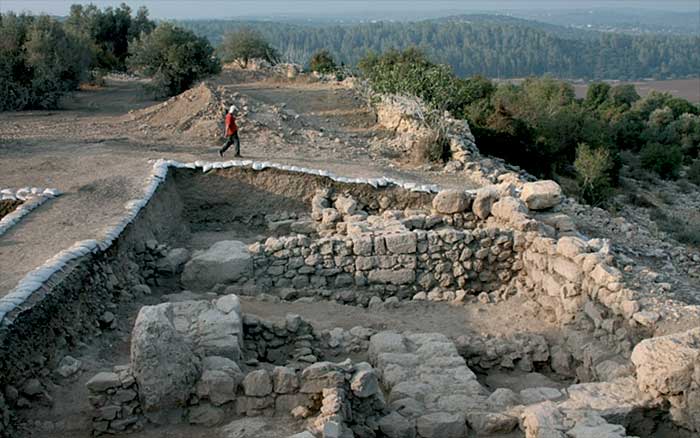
point(246, 44)
point(176, 58)
point(492, 46)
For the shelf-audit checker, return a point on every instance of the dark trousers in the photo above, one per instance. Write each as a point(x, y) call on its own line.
point(233, 140)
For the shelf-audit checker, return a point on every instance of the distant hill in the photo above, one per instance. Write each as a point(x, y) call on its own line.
point(491, 45)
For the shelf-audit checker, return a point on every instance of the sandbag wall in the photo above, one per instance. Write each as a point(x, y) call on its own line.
point(66, 309)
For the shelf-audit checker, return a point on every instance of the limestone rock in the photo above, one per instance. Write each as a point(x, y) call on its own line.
point(219, 380)
point(401, 243)
point(101, 382)
point(490, 423)
point(386, 342)
point(541, 195)
point(441, 425)
point(665, 364)
point(207, 326)
point(483, 202)
point(257, 383)
point(224, 262)
point(387, 276)
point(285, 380)
point(543, 420)
point(451, 202)
point(364, 383)
point(303, 227)
point(68, 366)
point(346, 205)
point(396, 426)
point(206, 415)
point(174, 261)
point(503, 398)
point(509, 209)
point(163, 364)
point(535, 395)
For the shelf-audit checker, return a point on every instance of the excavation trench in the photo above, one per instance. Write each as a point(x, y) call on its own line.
point(350, 260)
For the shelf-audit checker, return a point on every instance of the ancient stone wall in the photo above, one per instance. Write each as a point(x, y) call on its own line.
point(400, 263)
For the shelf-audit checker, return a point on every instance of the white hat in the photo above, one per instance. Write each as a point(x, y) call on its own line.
point(232, 109)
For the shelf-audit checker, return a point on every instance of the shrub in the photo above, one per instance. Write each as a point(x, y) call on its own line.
point(175, 57)
point(246, 44)
point(39, 62)
point(322, 62)
point(694, 172)
point(411, 72)
point(665, 160)
point(592, 168)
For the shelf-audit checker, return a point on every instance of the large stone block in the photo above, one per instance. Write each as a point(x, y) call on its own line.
point(665, 364)
point(451, 202)
point(442, 425)
point(396, 426)
point(386, 276)
point(541, 195)
point(213, 329)
point(163, 363)
point(483, 202)
point(401, 243)
point(225, 262)
point(567, 269)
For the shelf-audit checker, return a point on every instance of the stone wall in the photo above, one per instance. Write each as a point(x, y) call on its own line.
point(187, 366)
point(392, 252)
point(400, 263)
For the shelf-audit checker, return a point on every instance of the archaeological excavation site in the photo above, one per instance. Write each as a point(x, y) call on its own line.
point(248, 299)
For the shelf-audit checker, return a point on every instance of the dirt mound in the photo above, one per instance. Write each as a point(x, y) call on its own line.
point(198, 112)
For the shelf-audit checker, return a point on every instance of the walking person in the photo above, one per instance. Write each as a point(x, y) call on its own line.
point(231, 133)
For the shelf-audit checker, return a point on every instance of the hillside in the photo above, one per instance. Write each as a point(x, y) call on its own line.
point(489, 45)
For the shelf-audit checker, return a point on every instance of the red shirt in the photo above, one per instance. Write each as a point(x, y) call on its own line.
point(231, 127)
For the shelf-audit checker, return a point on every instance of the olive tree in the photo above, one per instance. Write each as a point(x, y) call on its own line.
point(175, 58)
point(246, 44)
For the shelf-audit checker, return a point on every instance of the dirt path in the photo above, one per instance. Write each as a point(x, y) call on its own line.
point(96, 155)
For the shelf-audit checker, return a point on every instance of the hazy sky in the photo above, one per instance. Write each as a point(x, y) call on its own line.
point(180, 9)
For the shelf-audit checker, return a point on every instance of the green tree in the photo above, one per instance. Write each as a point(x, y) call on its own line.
point(665, 160)
point(246, 44)
point(108, 32)
point(15, 73)
point(593, 166)
point(687, 130)
point(322, 61)
point(597, 94)
point(39, 62)
point(141, 23)
point(174, 57)
point(624, 95)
